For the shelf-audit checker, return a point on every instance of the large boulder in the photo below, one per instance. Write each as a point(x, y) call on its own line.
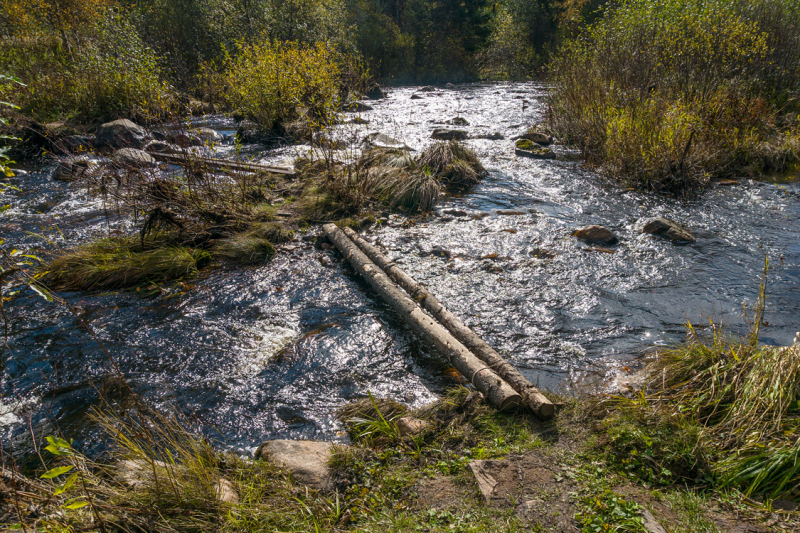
point(131, 157)
point(306, 460)
point(596, 235)
point(443, 134)
point(121, 133)
point(667, 229)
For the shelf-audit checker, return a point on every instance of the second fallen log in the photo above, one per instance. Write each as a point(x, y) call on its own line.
point(531, 396)
point(495, 390)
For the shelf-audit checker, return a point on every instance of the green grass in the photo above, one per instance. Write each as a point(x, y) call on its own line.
point(117, 263)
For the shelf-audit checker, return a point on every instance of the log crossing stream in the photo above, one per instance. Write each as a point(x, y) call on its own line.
point(272, 351)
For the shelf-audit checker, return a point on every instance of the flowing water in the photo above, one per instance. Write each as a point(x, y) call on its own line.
point(271, 351)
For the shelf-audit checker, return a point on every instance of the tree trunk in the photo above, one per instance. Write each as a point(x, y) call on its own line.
point(494, 389)
point(535, 400)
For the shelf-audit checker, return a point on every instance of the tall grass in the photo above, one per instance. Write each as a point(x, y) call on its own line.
point(666, 95)
point(718, 407)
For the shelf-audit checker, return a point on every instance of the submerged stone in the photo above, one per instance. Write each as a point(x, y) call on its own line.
point(356, 107)
point(443, 134)
point(596, 235)
point(667, 229)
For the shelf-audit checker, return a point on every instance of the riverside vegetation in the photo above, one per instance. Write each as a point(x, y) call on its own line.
point(711, 91)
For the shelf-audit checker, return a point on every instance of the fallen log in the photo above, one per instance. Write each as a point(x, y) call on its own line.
point(223, 164)
point(531, 397)
point(494, 389)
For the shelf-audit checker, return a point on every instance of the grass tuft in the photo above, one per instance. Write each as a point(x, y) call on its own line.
point(117, 263)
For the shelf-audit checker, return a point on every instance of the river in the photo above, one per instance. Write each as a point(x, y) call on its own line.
point(264, 352)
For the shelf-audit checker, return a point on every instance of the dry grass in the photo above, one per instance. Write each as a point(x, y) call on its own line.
point(455, 165)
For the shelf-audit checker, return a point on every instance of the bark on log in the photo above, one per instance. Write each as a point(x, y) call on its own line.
point(224, 164)
point(531, 397)
point(495, 390)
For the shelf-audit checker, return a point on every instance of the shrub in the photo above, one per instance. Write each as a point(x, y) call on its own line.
point(667, 95)
point(453, 163)
point(276, 83)
point(107, 72)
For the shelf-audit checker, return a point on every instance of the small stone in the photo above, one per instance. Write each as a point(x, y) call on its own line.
point(121, 134)
point(538, 137)
point(208, 135)
point(651, 525)
point(137, 473)
point(133, 157)
point(427, 89)
point(528, 148)
point(411, 426)
point(225, 491)
point(161, 147)
point(449, 86)
point(356, 107)
point(443, 134)
point(306, 460)
point(663, 227)
point(375, 92)
point(70, 170)
point(496, 136)
point(185, 140)
point(596, 235)
point(455, 212)
point(458, 121)
point(510, 212)
point(416, 97)
point(380, 140)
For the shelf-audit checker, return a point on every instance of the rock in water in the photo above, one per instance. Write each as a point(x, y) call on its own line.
point(375, 92)
point(70, 170)
point(161, 147)
point(306, 460)
point(133, 158)
point(537, 136)
point(356, 107)
point(528, 148)
point(380, 140)
point(443, 134)
point(416, 97)
point(667, 229)
point(596, 235)
point(121, 134)
point(208, 135)
point(458, 121)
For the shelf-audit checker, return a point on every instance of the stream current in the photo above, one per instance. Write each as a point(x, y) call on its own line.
point(272, 351)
